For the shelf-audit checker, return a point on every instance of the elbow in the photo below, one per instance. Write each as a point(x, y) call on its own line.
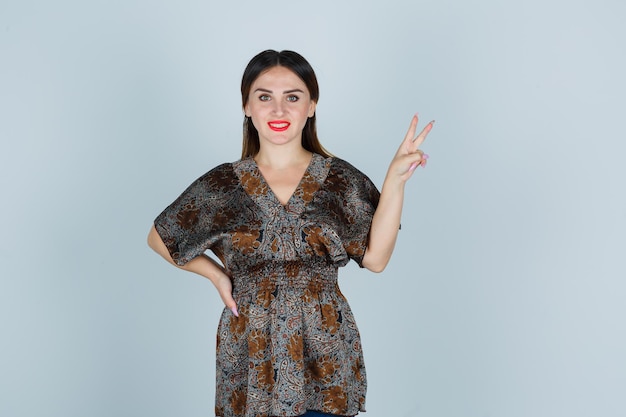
point(154, 240)
point(374, 265)
point(150, 240)
point(156, 244)
point(376, 268)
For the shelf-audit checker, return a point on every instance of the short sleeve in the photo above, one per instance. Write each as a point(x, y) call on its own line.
point(359, 202)
point(187, 226)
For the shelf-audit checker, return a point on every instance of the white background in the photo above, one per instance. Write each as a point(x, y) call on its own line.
point(505, 296)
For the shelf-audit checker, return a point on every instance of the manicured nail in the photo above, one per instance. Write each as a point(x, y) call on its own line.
point(413, 166)
point(425, 156)
point(234, 310)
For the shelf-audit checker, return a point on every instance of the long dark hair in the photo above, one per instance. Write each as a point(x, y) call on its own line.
point(296, 63)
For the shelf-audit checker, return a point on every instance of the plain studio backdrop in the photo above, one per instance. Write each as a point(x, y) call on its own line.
point(506, 294)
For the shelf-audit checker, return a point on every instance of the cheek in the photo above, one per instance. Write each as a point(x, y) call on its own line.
point(254, 123)
point(252, 112)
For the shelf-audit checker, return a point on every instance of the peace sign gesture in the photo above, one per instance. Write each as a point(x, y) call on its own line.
point(409, 155)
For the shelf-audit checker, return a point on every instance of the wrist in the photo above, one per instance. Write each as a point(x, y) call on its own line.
point(394, 183)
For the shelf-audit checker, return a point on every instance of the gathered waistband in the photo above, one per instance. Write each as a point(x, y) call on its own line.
point(293, 275)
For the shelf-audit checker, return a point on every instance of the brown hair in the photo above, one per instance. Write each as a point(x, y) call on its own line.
point(296, 63)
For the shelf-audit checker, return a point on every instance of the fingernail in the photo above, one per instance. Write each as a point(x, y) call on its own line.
point(413, 166)
point(425, 156)
point(234, 310)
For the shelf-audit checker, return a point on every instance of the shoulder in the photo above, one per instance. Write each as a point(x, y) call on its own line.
point(344, 169)
point(224, 170)
point(342, 165)
point(349, 183)
point(222, 178)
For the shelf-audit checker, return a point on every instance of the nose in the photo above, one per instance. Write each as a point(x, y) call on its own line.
point(278, 107)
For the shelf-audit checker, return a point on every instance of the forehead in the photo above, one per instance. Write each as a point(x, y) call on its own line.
point(279, 78)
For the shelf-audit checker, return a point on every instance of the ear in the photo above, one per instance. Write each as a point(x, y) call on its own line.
point(312, 107)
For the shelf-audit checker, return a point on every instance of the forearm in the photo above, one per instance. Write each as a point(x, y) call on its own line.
point(202, 265)
point(385, 225)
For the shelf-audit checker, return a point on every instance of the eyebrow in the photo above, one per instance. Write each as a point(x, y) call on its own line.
point(264, 90)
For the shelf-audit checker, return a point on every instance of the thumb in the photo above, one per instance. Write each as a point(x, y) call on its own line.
point(234, 310)
point(232, 305)
point(225, 289)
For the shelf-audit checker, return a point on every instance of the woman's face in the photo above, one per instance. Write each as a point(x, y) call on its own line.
point(279, 105)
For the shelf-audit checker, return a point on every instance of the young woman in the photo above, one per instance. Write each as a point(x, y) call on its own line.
point(281, 221)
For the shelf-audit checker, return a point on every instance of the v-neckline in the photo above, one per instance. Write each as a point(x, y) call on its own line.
point(295, 190)
point(257, 188)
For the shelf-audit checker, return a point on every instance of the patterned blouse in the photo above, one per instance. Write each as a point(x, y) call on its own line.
point(295, 345)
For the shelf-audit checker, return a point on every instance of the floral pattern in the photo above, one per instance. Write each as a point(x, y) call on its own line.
point(295, 345)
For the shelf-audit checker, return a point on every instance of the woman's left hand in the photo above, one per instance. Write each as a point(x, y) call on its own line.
point(409, 155)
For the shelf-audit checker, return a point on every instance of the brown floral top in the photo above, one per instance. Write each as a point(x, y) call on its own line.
point(295, 345)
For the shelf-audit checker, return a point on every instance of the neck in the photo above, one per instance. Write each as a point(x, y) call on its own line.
point(282, 156)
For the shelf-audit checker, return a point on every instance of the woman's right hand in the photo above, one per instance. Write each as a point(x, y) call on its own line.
point(224, 287)
point(202, 265)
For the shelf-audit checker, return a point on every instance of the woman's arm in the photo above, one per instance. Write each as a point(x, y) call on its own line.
point(201, 265)
point(386, 221)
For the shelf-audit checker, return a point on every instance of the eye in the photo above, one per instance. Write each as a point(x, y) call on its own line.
point(264, 97)
point(293, 98)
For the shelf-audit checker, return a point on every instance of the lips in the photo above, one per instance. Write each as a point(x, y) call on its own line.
point(279, 125)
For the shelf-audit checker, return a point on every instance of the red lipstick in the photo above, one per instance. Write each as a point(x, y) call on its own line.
point(279, 125)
